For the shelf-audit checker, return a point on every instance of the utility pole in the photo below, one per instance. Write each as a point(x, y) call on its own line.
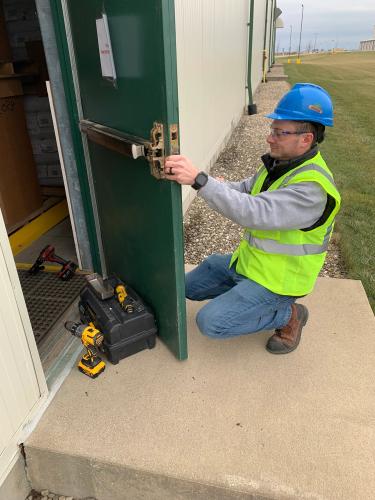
point(290, 40)
point(300, 37)
point(316, 36)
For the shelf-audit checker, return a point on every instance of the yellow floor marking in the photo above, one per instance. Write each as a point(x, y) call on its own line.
point(37, 227)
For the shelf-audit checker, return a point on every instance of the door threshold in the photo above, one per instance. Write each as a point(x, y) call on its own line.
point(59, 347)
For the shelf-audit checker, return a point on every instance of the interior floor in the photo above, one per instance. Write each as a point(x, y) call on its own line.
point(60, 237)
point(57, 341)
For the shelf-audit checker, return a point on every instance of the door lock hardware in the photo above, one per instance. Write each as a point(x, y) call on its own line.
point(153, 150)
point(174, 144)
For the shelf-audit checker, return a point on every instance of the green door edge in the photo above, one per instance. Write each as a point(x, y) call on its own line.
point(170, 58)
point(170, 55)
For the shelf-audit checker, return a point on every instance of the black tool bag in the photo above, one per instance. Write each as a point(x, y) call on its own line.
point(127, 328)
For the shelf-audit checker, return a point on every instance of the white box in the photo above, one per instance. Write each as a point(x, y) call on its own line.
point(42, 170)
point(44, 119)
point(54, 171)
point(34, 103)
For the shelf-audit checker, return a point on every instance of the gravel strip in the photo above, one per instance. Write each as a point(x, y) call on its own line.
point(47, 495)
point(206, 231)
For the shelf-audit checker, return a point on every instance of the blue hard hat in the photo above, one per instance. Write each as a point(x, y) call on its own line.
point(305, 102)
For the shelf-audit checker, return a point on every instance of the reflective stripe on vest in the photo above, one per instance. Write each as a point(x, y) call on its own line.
point(272, 246)
point(306, 168)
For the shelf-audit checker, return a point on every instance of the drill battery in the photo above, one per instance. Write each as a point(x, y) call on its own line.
point(128, 325)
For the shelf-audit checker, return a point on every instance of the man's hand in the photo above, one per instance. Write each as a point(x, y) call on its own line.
point(180, 169)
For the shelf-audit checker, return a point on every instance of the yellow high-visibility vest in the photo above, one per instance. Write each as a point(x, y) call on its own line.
point(288, 262)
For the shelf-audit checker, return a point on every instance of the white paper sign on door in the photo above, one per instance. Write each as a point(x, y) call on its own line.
point(105, 48)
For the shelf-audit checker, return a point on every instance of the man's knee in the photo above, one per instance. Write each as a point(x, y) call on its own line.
point(195, 288)
point(208, 324)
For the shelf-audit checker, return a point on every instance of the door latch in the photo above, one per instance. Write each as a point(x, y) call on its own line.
point(155, 152)
point(135, 147)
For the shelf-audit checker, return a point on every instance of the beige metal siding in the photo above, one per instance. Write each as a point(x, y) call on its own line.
point(211, 60)
point(22, 380)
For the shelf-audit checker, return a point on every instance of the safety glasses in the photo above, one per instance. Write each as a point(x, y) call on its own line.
point(276, 132)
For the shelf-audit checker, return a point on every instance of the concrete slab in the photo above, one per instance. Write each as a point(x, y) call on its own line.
point(276, 74)
point(276, 78)
point(15, 486)
point(233, 421)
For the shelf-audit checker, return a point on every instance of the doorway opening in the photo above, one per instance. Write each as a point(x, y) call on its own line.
point(33, 194)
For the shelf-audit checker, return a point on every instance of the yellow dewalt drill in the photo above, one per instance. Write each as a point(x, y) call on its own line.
point(124, 299)
point(91, 363)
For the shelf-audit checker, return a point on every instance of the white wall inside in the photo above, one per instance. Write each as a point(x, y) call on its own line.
point(212, 41)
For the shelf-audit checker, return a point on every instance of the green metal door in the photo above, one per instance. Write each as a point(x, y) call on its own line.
point(138, 222)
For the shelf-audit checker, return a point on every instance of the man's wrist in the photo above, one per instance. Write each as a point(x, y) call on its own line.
point(200, 180)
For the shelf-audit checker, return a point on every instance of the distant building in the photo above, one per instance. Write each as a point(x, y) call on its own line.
point(368, 44)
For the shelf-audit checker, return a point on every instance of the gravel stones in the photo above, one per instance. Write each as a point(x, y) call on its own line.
point(47, 495)
point(207, 232)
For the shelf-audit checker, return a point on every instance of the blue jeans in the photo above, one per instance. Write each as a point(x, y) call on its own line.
point(238, 305)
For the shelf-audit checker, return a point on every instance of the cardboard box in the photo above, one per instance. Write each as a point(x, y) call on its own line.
point(56, 182)
point(19, 12)
point(44, 119)
point(36, 56)
point(54, 170)
point(43, 145)
point(34, 103)
point(20, 193)
point(5, 51)
point(42, 170)
point(46, 158)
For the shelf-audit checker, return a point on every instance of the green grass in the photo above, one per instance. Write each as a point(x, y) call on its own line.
point(349, 150)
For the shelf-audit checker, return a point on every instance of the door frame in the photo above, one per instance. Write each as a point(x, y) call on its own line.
point(70, 83)
point(11, 451)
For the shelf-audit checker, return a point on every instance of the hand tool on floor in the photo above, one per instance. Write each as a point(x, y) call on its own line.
point(124, 299)
point(91, 364)
point(48, 255)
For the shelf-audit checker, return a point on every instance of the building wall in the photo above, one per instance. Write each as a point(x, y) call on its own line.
point(212, 41)
point(367, 45)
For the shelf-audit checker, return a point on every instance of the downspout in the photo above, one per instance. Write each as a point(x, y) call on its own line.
point(274, 42)
point(272, 33)
point(252, 107)
point(265, 44)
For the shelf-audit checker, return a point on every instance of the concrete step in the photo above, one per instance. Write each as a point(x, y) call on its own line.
point(232, 422)
point(276, 78)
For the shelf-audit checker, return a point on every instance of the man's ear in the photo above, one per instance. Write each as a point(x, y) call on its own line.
point(308, 138)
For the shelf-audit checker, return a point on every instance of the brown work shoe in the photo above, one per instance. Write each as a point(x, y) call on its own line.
point(287, 338)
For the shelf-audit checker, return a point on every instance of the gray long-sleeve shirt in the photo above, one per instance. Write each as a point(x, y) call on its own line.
point(296, 206)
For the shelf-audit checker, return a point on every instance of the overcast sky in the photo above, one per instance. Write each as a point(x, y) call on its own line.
point(333, 23)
